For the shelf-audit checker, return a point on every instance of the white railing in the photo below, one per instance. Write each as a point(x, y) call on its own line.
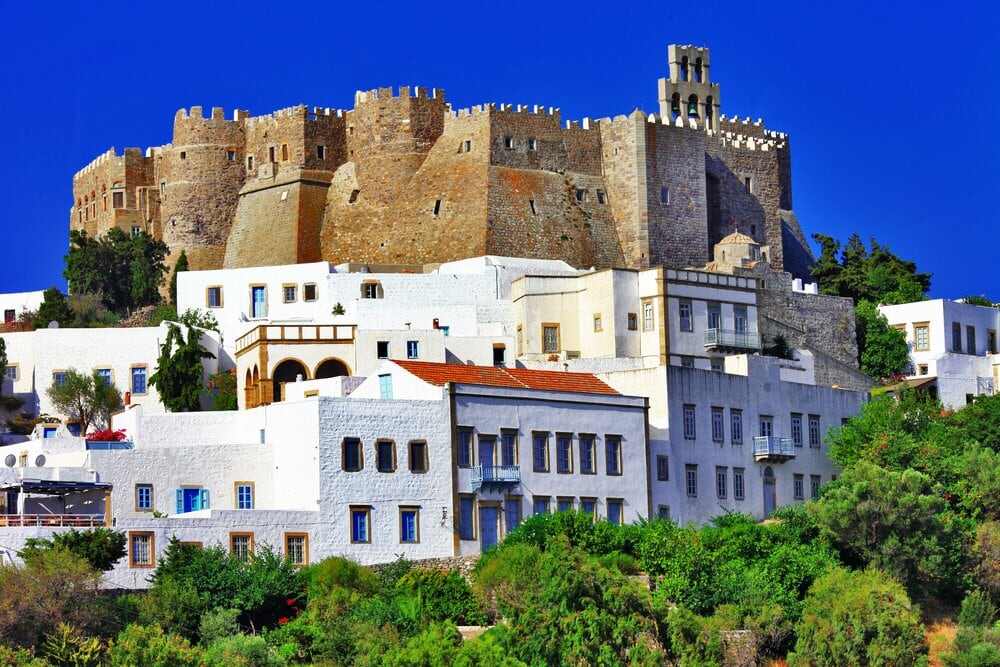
point(743, 340)
point(308, 333)
point(51, 520)
point(772, 447)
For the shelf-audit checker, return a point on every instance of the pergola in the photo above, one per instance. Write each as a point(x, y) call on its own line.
point(14, 493)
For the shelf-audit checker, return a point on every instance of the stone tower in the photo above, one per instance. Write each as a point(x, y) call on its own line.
point(688, 93)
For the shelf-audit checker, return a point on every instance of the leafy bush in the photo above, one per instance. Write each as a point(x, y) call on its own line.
point(858, 618)
point(20, 657)
point(100, 547)
point(986, 557)
point(218, 624)
point(242, 651)
point(68, 646)
point(443, 596)
point(977, 611)
point(53, 588)
point(579, 529)
point(150, 646)
point(174, 605)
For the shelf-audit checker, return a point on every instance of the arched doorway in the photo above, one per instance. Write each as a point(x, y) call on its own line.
point(287, 371)
point(331, 368)
point(770, 492)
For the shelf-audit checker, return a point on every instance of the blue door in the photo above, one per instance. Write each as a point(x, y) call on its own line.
point(488, 523)
point(258, 302)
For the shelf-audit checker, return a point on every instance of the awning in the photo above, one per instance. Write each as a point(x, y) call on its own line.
point(53, 487)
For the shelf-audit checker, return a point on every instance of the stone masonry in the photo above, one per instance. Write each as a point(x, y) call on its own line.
point(405, 178)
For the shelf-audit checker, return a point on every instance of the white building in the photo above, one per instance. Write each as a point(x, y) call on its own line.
point(14, 304)
point(953, 348)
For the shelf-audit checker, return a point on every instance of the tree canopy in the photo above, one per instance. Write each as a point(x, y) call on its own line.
point(179, 371)
point(863, 274)
point(86, 399)
point(126, 271)
point(179, 267)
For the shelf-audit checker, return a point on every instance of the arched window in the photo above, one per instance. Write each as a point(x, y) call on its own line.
point(693, 106)
point(287, 371)
point(709, 115)
point(331, 368)
point(675, 106)
point(697, 70)
point(684, 68)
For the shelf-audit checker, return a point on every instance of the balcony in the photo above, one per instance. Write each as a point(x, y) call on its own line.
point(498, 475)
point(723, 339)
point(772, 448)
point(52, 520)
point(295, 333)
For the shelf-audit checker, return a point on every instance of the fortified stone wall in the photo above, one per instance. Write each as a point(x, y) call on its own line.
point(94, 189)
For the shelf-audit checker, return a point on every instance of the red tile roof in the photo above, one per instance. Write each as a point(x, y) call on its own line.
point(521, 378)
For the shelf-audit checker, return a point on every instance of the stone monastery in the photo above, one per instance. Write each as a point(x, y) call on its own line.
point(404, 178)
point(442, 321)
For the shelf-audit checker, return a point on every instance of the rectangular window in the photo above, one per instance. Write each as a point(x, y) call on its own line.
point(736, 426)
point(662, 468)
point(540, 504)
point(487, 450)
point(921, 337)
point(258, 302)
point(289, 293)
point(550, 338)
point(437, 207)
point(213, 297)
point(104, 374)
point(284, 152)
point(241, 545)
point(382, 349)
point(956, 337)
point(748, 184)
point(297, 548)
point(138, 380)
point(385, 386)
point(352, 458)
point(361, 524)
point(716, 364)
point(466, 146)
point(581, 195)
point(466, 518)
point(721, 482)
point(540, 452)
point(598, 325)
point(532, 144)
point(508, 448)
point(613, 454)
point(244, 495)
point(564, 504)
point(409, 525)
point(739, 492)
point(309, 292)
point(648, 319)
point(321, 152)
point(141, 549)
point(814, 484)
point(740, 319)
point(418, 456)
point(508, 142)
point(664, 195)
point(564, 453)
point(385, 456)
point(797, 429)
point(143, 497)
point(531, 205)
point(991, 341)
point(691, 480)
point(602, 198)
point(499, 356)
point(718, 424)
point(797, 483)
point(633, 322)
point(231, 156)
point(588, 464)
point(814, 432)
point(766, 424)
point(118, 199)
point(512, 512)
point(412, 349)
point(9, 315)
point(369, 290)
point(464, 447)
point(690, 432)
point(270, 154)
point(616, 511)
point(970, 339)
point(714, 316)
point(58, 378)
point(686, 320)
point(589, 506)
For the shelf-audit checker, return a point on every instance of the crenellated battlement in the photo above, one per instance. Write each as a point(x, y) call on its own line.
point(108, 156)
point(416, 92)
point(196, 113)
point(299, 111)
point(502, 107)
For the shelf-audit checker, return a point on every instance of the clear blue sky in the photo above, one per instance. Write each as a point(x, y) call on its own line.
point(888, 107)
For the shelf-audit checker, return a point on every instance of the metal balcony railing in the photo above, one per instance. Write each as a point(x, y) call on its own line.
point(495, 475)
point(772, 448)
point(735, 340)
point(51, 520)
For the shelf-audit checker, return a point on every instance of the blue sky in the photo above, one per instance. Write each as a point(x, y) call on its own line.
point(887, 104)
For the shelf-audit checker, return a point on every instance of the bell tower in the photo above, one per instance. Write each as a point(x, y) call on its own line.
point(688, 94)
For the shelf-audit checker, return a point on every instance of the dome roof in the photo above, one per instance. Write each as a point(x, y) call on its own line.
point(738, 237)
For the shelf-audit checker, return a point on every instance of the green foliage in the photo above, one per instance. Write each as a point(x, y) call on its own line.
point(242, 651)
point(979, 300)
point(20, 657)
point(986, 558)
point(68, 646)
point(150, 646)
point(977, 611)
point(54, 308)
point(977, 642)
point(100, 547)
point(179, 267)
point(876, 275)
point(174, 605)
point(55, 587)
point(179, 370)
point(196, 317)
point(443, 596)
point(897, 522)
point(579, 529)
point(89, 311)
point(164, 312)
point(86, 399)
point(218, 624)
point(858, 618)
point(436, 645)
point(222, 389)
point(980, 421)
point(126, 271)
point(882, 350)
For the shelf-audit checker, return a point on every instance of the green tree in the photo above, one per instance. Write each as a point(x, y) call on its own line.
point(222, 387)
point(875, 274)
point(126, 271)
point(897, 522)
point(179, 267)
point(179, 370)
point(100, 547)
point(86, 399)
point(979, 300)
point(858, 618)
point(54, 308)
point(882, 349)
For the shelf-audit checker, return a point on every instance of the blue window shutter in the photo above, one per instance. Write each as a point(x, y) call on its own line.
point(204, 499)
point(180, 501)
